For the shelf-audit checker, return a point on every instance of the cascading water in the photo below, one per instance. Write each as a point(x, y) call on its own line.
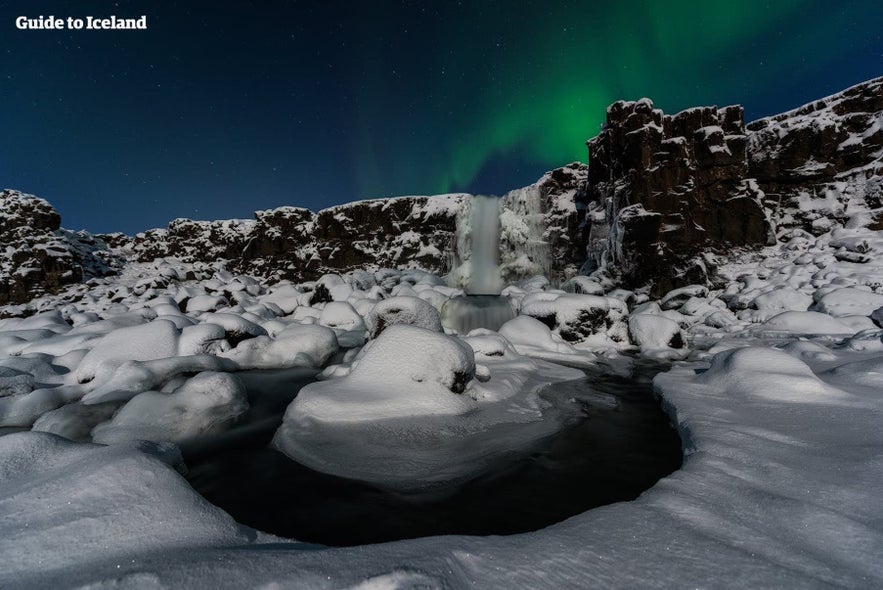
point(483, 306)
point(484, 276)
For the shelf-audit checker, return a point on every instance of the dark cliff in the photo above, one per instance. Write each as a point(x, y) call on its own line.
point(667, 192)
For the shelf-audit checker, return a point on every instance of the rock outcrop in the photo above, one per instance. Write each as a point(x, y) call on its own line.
point(664, 189)
point(822, 164)
point(665, 193)
point(40, 257)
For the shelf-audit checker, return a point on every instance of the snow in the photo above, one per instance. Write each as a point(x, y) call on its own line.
point(402, 309)
point(296, 345)
point(849, 301)
point(655, 332)
point(775, 393)
point(104, 506)
point(155, 340)
point(409, 416)
point(207, 403)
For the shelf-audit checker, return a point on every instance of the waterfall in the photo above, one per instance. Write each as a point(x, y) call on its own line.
point(484, 278)
point(475, 264)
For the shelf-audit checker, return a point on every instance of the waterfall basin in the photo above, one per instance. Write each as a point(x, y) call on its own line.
point(470, 312)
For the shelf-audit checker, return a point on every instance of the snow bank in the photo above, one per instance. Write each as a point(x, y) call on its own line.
point(79, 508)
point(766, 373)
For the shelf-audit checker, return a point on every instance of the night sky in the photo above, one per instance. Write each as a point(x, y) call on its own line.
point(221, 108)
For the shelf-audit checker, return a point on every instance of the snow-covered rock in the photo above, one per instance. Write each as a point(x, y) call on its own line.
point(206, 403)
point(412, 311)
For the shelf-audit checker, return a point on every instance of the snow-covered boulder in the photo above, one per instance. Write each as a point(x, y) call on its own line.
point(341, 315)
point(803, 323)
point(782, 299)
point(412, 311)
point(849, 301)
point(767, 373)
point(406, 371)
point(579, 318)
point(297, 345)
point(655, 332)
point(529, 335)
point(410, 416)
point(209, 402)
point(154, 340)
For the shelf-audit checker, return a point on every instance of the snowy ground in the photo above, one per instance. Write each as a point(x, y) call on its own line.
point(776, 393)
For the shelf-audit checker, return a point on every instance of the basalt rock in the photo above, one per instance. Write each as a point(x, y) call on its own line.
point(40, 257)
point(822, 164)
point(663, 190)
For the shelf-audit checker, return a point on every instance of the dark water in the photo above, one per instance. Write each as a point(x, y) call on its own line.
point(616, 452)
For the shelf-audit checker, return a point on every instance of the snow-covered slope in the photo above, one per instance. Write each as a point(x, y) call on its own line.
point(823, 162)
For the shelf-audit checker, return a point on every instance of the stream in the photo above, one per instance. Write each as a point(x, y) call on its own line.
point(620, 444)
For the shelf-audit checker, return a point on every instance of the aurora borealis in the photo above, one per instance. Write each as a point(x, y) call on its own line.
point(221, 108)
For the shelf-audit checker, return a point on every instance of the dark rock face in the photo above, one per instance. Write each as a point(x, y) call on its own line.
point(663, 189)
point(297, 244)
point(40, 256)
point(562, 188)
point(823, 162)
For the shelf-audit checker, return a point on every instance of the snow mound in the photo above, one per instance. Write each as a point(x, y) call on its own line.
point(297, 345)
point(766, 373)
point(805, 323)
point(849, 301)
point(154, 340)
point(410, 417)
point(107, 503)
point(209, 402)
point(342, 316)
point(406, 371)
point(655, 332)
point(412, 311)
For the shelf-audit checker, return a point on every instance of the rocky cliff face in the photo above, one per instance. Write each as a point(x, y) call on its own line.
point(661, 196)
point(663, 189)
point(38, 256)
point(822, 163)
point(665, 193)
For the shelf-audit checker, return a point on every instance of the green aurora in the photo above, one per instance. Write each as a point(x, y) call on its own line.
point(533, 84)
